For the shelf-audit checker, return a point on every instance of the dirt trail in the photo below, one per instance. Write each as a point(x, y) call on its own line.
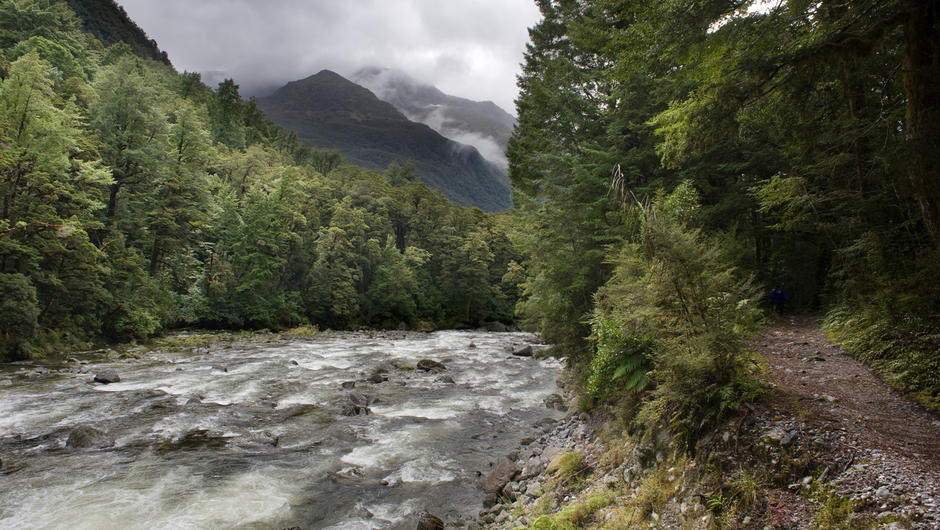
point(884, 448)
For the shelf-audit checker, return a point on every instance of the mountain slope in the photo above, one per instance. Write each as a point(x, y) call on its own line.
point(481, 124)
point(328, 110)
point(109, 23)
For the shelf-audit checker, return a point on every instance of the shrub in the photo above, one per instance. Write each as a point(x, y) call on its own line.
point(675, 293)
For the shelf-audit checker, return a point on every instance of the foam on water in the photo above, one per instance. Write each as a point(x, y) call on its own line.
point(390, 448)
point(176, 499)
point(222, 438)
point(424, 469)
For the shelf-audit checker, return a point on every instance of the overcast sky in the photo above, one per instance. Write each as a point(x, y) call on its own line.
point(468, 48)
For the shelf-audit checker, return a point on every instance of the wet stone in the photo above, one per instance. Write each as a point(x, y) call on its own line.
point(502, 474)
point(107, 377)
point(428, 365)
point(428, 521)
point(87, 437)
point(525, 351)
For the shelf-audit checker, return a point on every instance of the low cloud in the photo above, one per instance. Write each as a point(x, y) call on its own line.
point(469, 48)
point(488, 146)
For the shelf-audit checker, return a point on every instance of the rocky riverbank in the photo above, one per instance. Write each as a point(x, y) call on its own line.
point(831, 447)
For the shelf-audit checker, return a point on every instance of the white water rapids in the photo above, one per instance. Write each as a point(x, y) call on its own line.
point(251, 435)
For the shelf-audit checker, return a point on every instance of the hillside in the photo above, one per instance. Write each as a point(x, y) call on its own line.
point(482, 124)
point(109, 23)
point(328, 110)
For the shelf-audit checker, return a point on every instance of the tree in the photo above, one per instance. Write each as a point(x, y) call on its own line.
point(21, 309)
point(131, 123)
point(227, 114)
point(331, 295)
point(177, 211)
point(391, 295)
point(921, 22)
point(49, 185)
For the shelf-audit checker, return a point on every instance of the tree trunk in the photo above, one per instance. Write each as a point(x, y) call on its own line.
point(155, 256)
point(112, 200)
point(922, 127)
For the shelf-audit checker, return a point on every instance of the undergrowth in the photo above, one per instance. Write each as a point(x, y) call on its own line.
point(905, 352)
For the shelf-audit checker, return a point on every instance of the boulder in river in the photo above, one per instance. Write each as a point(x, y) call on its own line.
point(87, 437)
point(525, 351)
point(358, 404)
point(351, 409)
point(377, 378)
point(496, 326)
point(502, 474)
point(258, 439)
point(446, 379)
point(107, 376)
point(556, 402)
point(427, 365)
point(195, 439)
point(428, 521)
point(358, 398)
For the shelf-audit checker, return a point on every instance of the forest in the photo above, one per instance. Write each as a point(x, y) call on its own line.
point(672, 164)
point(675, 167)
point(675, 161)
point(136, 199)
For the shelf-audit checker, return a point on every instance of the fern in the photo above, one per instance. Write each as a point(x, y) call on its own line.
point(621, 360)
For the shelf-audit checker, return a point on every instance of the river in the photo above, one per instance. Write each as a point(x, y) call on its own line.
point(252, 434)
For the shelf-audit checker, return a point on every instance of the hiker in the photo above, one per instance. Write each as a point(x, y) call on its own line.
point(778, 297)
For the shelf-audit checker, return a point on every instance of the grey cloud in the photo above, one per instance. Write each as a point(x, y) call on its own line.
point(469, 48)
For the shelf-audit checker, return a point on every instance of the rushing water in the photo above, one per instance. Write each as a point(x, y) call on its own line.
point(252, 434)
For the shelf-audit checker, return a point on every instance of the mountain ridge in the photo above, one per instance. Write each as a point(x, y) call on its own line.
point(483, 124)
point(110, 24)
point(328, 110)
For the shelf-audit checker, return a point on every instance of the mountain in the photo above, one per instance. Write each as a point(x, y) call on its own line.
point(481, 124)
point(330, 111)
point(109, 23)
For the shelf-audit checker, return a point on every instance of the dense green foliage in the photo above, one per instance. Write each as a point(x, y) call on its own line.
point(109, 23)
point(330, 111)
point(807, 132)
point(135, 198)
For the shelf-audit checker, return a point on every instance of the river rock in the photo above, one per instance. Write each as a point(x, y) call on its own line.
point(502, 474)
point(263, 438)
point(107, 376)
point(498, 327)
point(358, 398)
point(532, 467)
point(446, 379)
point(556, 402)
point(220, 367)
point(349, 384)
point(427, 365)
point(428, 521)
point(551, 455)
point(380, 375)
point(294, 411)
point(351, 409)
point(525, 351)
point(87, 437)
point(196, 439)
